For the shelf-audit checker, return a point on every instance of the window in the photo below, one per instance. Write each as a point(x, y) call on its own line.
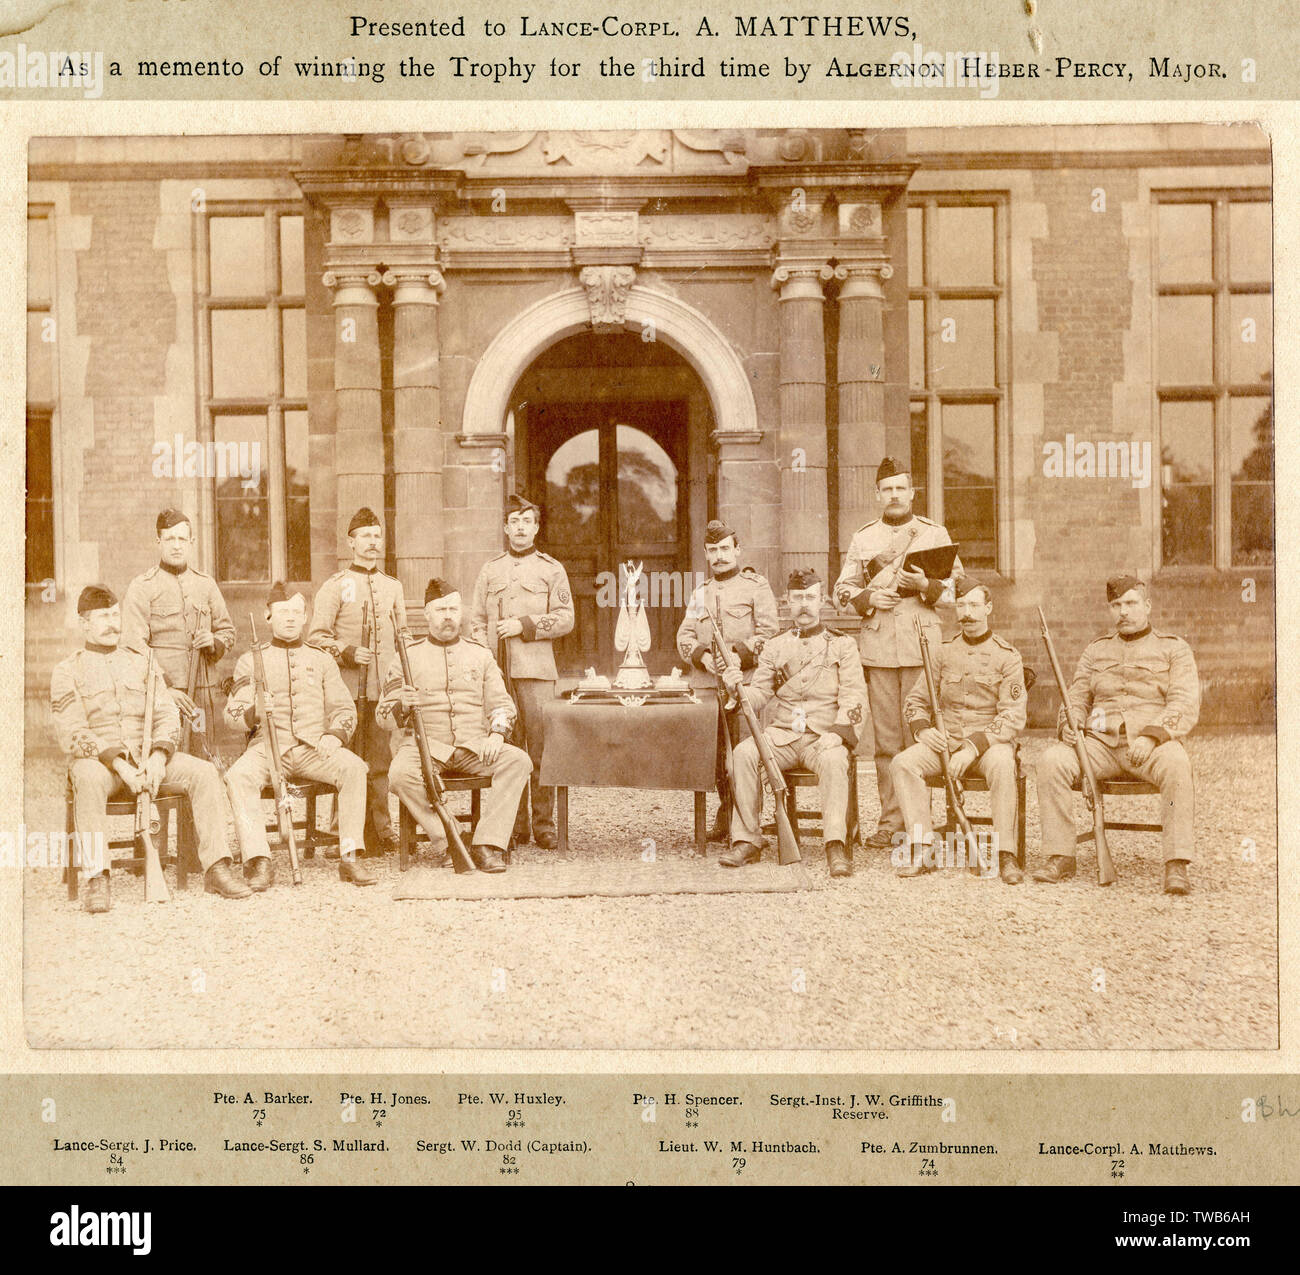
point(1214, 378)
point(956, 300)
point(41, 395)
point(253, 386)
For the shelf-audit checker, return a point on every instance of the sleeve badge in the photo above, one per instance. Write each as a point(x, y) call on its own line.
point(1016, 690)
point(563, 597)
point(855, 715)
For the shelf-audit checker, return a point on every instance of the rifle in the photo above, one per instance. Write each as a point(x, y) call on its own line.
point(279, 786)
point(1087, 777)
point(787, 842)
point(432, 784)
point(191, 689)
point(146, 817)
point(363, 678)
point(952, 785)
point(502, 651)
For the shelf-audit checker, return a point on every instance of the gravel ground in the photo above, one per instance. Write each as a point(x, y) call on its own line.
point(943, 961)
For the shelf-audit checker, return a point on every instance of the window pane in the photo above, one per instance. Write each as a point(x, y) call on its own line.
point(970, 480)
point(1185, 242)
point(1187, 470)
point(1186, 354)
point(1250, 255)
point(916, 344)
point(647, 488)
point(296, 479)
point(920, 457)
point(1252, 481)
point(962, 251)
point(40, 359)
point(915, 247)
point(291, 256)
point(573, 492)
point(39, 263)
point(241, 354)
point(237, 256)
point(1250, 338)
point(295, 353)
point(243, 513)
point(963, 350)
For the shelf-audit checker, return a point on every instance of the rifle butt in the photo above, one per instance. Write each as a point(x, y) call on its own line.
point(155, 881)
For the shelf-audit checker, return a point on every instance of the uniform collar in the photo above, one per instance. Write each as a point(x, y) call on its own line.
point(174, 571)
point(365, 571)
point(975, 641)
point(1133, 637)
point(808, 633)
point(100, 650)
point(433, 641)
point(893, 520)
point(288, 646)
point(517, 553)
point(726, 575)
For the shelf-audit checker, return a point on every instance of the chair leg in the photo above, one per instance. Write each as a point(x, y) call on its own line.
point(309, 827)
point(404, 833)
point(851, 824)
point(70, 869)
point(1020, 821)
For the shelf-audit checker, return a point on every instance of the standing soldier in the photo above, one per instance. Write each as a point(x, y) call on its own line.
point(461, 698)
point(745, 607)
point(314, 719)
point(980, 680)
point(814, 678)
point(353, 621)
point(1136, 694)
point(890, 597)
point(98, 698)
point(177, 610)
point(522, 604)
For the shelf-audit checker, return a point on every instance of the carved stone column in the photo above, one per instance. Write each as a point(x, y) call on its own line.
point(801, 447)
point(417, 433)
point(359, 439)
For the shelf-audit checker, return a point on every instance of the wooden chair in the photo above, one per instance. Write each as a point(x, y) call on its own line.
point(1122, 788)
point(311, 791)
point(408, 832)
point(972, 781)
point(801, 778)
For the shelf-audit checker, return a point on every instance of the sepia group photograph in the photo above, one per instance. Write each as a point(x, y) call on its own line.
point(651, 589)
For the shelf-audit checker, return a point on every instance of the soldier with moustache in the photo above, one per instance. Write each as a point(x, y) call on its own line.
point(461, 698)
point(890, 601)
point(314, 719)
point(980, 681)
point(522, 596)
point(98, 700)
point(353, 619)
point(745, 606)
point(813, 678)
point(174, 608)
point(1137, 695)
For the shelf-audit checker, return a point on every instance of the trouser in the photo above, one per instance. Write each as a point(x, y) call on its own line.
point(509, 775)
point(728, 730)
point(831, 765)
point(371, 744)
point(94, 785)
point(1168, 767)
point(913, 766)
point(341, 769)
point(887, 688)
point(531, 697)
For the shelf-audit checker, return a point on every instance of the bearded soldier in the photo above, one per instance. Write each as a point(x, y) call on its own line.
point(891, 597)
point(353, 621)
point(744, 605)
point(98, 699)
point(522, 604)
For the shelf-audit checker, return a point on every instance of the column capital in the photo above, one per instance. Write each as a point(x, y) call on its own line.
point(353, 285)
point(863, 278)
point(415, 285)
point(801, 279)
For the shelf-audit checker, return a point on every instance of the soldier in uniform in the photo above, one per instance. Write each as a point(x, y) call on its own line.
point(353, 621)
point(980, 680)
point(314, 718)
point(745, 607)
point(98, 699)
point(522, 602)
point(461, 697)
point(890, 599)
point(1137, 694)
point(176, 609)
point(814, 677)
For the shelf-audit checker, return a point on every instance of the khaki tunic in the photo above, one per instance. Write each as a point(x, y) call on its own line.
point(166, 611)
point(535, 588)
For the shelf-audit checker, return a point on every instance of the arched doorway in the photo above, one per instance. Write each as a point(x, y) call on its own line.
point(611, 435)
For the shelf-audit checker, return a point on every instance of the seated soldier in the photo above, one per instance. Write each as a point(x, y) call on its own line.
point(815, 677)
point(980, 681)
point(1137, 694)
point(461, 698)
point(98, 698)
point(314, 717)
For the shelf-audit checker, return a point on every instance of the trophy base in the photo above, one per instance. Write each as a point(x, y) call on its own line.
point(633, 679)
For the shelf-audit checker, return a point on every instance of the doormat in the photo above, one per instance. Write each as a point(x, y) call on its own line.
point(607, 880)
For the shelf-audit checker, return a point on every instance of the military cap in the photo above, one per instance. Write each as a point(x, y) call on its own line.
point(803, 578)
point(95, 597)
point(279, 593)
point(364, 517)
point(1118, 585)
point(718, 530)
point(962, 586)
point(518, 504)
point(170, 518)
point(438, 588)
point(890, 468)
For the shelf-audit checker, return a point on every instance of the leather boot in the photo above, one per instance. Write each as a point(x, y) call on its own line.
point(1010, 869)
point(837, 860)
point(1176, 881)
point(1060, 867)
point(97, 897)
point(353, 870)
point(881, 839)
point(220, 879)
point(721, 829)
point(487, 858)
point(544, 838)
point(740, 854)
point(259, 874)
